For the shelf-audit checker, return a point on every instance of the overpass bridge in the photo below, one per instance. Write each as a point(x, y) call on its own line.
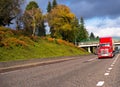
point(91, 46)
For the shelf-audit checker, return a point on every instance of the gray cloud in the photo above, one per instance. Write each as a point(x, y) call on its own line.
point(88, 8)
point(96, 8)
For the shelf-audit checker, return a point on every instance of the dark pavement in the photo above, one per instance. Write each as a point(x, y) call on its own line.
point(83, 71)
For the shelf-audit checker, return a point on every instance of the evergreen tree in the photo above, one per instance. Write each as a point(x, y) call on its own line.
point(49, 7)
point(41, 30)
point(54, 3)
point(97, 37)
point(92, 36)
point(82, 22)
point(76, 30)
point(82, 32)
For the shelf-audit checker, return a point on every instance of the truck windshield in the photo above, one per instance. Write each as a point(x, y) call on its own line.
point(104, 45)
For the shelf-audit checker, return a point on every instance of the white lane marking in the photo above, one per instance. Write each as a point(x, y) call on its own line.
point(114, 62)
point(109, 68)
point(92, 59)
point(112, 65)
point(100, 83)
point(106, 74)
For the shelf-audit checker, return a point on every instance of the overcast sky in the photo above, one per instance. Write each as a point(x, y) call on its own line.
point(102, 17)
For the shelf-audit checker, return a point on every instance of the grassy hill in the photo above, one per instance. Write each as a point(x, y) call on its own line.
point(15, 46)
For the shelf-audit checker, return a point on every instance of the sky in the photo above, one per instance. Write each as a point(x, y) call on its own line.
point(102, 17)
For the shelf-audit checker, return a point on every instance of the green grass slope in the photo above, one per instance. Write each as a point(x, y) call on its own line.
point(18, 47)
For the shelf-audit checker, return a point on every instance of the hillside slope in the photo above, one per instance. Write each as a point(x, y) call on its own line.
point(15, 46)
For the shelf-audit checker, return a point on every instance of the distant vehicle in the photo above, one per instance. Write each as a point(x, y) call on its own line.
point(117, 50)
point(106, 47)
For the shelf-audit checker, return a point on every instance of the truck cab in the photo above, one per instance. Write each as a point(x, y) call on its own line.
point(106, 47)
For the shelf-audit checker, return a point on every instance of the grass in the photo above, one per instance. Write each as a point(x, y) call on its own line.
point(16, 46)
point(43, 49)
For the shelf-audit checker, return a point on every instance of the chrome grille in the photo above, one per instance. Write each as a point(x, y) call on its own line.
point(104, 52)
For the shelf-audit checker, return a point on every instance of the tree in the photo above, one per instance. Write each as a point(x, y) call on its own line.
point(92, 36)
point(61, 22)
point(32, 5)
point(33, 18)
point(82, 32)
point(54, 3)
point(97, 37)
point(41, 29)
point(49, 7)
point(18, 22)
point(9, 9)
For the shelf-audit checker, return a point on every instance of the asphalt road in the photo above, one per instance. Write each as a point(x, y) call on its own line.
point(86, 71)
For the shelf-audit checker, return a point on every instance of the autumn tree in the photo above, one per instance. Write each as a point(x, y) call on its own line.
point(9, 10)
point(61, 22)
point(33, 18)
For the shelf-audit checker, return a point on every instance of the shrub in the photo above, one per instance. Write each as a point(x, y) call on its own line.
point(4, 29)
point(44, 38)
point(34, 38)
point(9, 34)
point(17, 32)
point(13, 42)
point(5, 33)
point(50, 39)
point(26, 39)
point(2, 34)
point(60, 41)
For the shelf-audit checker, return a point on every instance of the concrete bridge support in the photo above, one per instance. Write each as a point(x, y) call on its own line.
point(89, 50)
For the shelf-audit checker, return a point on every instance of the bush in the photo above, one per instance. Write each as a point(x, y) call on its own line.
point(5, 33)
point(34, 38)
point(17, 32)
point(4, 29)
point(50, 39)
point(26, 39)
point(13, 42)
point(60, 41)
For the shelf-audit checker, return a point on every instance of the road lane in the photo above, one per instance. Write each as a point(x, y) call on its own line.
point(82, 72)
point(113, 80)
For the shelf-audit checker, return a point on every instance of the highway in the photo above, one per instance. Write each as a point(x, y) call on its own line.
point(85, 71)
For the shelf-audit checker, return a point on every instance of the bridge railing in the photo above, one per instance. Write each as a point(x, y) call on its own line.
point(85, 44)
point(88, 42)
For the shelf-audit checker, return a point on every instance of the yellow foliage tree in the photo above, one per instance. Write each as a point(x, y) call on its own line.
point(60, 20)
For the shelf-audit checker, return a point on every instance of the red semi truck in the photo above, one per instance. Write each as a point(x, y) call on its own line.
point(106, 47)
